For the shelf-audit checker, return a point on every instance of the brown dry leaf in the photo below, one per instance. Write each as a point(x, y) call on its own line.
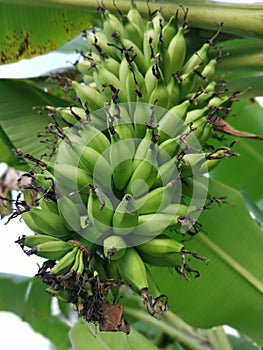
point(219, 124)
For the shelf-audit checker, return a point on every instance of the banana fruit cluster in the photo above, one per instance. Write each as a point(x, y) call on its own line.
point(126, 187)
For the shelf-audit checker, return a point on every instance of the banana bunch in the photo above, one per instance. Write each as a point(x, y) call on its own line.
point(126, 183)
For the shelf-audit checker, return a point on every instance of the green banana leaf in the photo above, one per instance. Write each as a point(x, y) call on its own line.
point(7, 156)
point(82, 334)
point(29, 301)
point(30, 30)
point(230, 288)
point(19, 121)
point(244, 172)
point(26, 32)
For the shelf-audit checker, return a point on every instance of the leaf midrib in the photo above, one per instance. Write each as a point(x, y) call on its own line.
point(231, 262)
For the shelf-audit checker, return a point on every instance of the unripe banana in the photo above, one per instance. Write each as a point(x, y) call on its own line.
point(143, 177)
point(127, 82)
point(112, 65)
point(139, 59)
point(160, 95)
point(135, 16)
point(96, 166)
point(121, 161)
point(157, 200)
point(160, 246)
point(169, 30)
point(53, 250)
point(70, 177)
point(150, 81)
point(167, 172)
point(196, 114)
point(154, 224)
point(103, 76)
point(133, 32)
point(177, 51)
point(93, 138)
point(168, 149)
point(143, 148)
point(199, 57)
point(112, 269)
point(112, 24)
point(100, 210)
point(125, 216)
point(132, 269)
point(69, 214)
point(89, 96)
point(171, 260)
point(173, 121)
point(150, 43)
point(65, 263)
point(114, 247)
point(33, 240)
point(100, 41)
point(142, 115)
point(77, 262)
point(46, 222)
point(81, 264)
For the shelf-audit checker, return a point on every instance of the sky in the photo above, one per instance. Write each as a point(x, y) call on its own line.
point(16, 332)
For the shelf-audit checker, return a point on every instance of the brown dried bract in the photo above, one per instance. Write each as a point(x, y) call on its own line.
point(113, 320)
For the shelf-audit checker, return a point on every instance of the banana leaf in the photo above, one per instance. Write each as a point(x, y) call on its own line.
point(230, 289)
point(244, 172)
point(25, 301)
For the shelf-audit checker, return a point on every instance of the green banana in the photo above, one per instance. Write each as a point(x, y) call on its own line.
point(157, 199)
point(139, 56)
point(114, 247)
point(199, 57)
point(96, 166)
point(70, 177)
point(173, 121)
point(100, 210)
point(53, 250)
point(132, 269)
point(142, 115)
point(81, 264)
point(33, 240)
point(100, 41)
point(176, 51)
point(46, 222)
point(143, 177)
point(160, 95)
point(102, 76)
point(125, 216)
point(66, 262)
point(69, 213)
point(150, 81)
point(112, 24)
point(167, 172)
point(121, 161)
point(89, 96)
point(159, 246)
point(134, 16)
point(92, 137)
point(154, 224)
point(143, 147)
point(168, 149)
point(150, 43)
